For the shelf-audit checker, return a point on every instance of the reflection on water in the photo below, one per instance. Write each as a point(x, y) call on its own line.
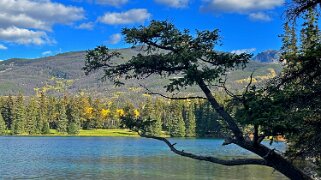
point(119, 158)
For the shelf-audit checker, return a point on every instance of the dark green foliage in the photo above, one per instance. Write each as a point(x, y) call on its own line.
point(290, 104)
point(2, 125)
point(177, 124)
point(73, 116)
point(149, 114)
point(298, 7)
point(73, 128)
point(19, 118)
point(310, 33)
point(289, 41)
point(206, 120)
point(190, 121)
point(31, 122)
point(43, 118)
point(62, 120)
point(69, 115)
point(181, 53)
point(7, 111)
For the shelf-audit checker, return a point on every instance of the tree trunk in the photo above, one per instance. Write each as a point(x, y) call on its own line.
point(276, 161)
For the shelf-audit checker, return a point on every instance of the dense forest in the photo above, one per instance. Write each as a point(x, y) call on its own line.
point(67, 114)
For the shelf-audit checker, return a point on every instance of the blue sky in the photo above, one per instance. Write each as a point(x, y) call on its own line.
point(37, 28)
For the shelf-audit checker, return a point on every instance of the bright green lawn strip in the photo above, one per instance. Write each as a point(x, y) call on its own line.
point(92, 132)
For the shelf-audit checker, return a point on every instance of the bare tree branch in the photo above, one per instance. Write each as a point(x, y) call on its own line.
point(299, 7)
point(172, 98)
point(250, 83)
point(232, 162)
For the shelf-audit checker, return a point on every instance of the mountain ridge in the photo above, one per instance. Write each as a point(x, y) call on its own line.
point(18, 75)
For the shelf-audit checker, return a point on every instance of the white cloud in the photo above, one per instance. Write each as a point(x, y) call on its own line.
point(240, 51)
point(34, 17)
point(114, 39)
point(116, 3)
point(3, 47)
point(127, 17)
point(46, 53)
point(174, 3)
point(259, 16)
point(24, 36)
point(240, 6)
point(88, 26)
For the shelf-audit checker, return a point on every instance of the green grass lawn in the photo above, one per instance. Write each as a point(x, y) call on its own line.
point(92, 132)
point(108, 132)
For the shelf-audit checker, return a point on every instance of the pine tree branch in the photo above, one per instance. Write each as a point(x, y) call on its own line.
point(172, 98)
point(300, 6)
point(232, 162)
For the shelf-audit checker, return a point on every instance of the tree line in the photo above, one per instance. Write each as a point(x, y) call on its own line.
point(21, 115)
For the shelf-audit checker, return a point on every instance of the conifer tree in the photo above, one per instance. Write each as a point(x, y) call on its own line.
point(62, 121)
point(2, 125)
point(310, 33)
point(19, 120)
point(52, 112)
point(31, 121)
point(157, 126)
point(73, 116)
point(177, 126)
point(7, 112)
point(43, 114)
point(190, 122)
point(151, 117)
point(289, 39)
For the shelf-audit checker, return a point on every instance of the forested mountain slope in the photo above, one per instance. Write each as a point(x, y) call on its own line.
point(63, 72)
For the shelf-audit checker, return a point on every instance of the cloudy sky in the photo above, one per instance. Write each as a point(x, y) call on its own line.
point(37, 28)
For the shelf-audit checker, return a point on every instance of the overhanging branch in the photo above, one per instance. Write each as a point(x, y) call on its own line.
point(232, 162)
point(172, 98)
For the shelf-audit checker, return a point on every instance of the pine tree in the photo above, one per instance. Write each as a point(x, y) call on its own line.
point(52, 112)
point(31, 122)
point(157, 126)
point(73, 116)
point(289, 39)
point(7, 112)
point(199, 116)
point(151, 117)
point(177, 128)
point(19, 120)
point(190, 122)
point(2, 125)
point(43, 115)
point(310, 33)
point(62, 120)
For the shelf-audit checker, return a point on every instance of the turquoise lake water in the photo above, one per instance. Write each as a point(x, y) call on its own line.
point(120, 158)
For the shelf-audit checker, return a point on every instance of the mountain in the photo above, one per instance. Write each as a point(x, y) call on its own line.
point(63, 73)
point(268, 56)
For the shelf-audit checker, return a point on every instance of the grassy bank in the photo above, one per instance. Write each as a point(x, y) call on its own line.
point(108, 132)
point(92, 132)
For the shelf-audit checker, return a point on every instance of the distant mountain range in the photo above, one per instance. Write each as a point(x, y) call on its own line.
point(63, 73)
point(268, 56)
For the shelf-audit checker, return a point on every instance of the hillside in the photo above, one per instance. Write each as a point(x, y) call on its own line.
point(64, 72)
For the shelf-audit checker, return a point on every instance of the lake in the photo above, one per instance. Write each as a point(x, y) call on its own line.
point(120, 158)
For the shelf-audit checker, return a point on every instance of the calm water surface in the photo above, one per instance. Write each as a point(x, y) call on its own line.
point(120, 158)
